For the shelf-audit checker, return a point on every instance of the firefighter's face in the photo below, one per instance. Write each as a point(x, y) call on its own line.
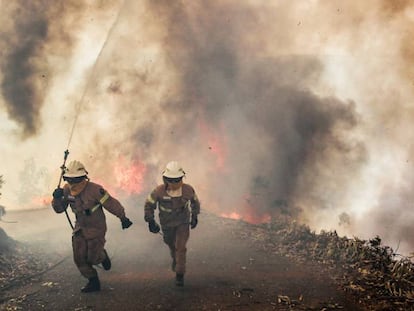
point(174, 183)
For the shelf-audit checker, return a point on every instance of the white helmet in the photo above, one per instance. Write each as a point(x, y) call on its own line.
point(173, 170)
point(75, 169)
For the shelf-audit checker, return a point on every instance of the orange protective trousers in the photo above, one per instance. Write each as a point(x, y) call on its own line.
point(176, 238)
point(87, 253)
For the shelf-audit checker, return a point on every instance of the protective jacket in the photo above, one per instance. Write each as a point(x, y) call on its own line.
point(173, 211)
point(88, 208)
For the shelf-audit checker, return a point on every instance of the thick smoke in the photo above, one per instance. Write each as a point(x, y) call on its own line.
point(34, 35)
point(291, 108)
point(280, 135)
point(22, 77)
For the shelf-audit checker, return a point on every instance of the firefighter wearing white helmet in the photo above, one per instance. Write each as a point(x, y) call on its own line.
point(173, 170)
point(178, 208)
point(87, 201)
point(75, 169)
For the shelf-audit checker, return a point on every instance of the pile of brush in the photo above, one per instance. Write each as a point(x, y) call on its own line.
point(372, 272)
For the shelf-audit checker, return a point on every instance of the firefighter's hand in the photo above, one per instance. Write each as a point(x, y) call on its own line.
point(153, 226)
point(194, 221)
point(58, 193)
point(126, 223)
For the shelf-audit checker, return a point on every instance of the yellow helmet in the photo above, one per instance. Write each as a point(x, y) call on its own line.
point(75, 169)
point(173, 170)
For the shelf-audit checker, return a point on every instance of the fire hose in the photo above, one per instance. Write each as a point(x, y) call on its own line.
point(62, 171)
point(8, 222)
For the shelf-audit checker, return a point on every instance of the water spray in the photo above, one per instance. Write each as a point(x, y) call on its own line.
point(79, 106)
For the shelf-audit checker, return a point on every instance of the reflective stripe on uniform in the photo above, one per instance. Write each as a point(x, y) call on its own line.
point(168, 210)
point(101, 202)
point(150, 199)
point(188, 204)
point(93, 209)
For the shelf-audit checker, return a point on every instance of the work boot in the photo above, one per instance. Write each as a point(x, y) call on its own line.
point(93, 285)
point(106, 263)
point(173, 264)
point(179, 279)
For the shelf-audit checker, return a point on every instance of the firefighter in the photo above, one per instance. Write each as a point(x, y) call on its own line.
point(87, 200)
point(178, 207)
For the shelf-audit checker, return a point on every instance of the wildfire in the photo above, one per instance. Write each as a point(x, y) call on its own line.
point(130, 175)
point(249, 212)
point(42, 200)
point(248, 217)
point(216, 143)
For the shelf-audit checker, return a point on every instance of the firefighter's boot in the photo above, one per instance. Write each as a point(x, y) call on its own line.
point(106, 263)
point(93, 285)
point(179, 279)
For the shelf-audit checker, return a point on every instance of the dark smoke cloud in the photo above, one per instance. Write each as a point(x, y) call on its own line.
point(32, 33)
point(21, 85)
point(293, 135)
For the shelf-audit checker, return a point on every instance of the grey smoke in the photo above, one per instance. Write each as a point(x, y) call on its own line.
point(23, 78)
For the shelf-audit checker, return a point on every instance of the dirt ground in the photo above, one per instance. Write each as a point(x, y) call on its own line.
point(224, 272)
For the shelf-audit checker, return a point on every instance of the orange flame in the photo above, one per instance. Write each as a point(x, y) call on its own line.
point(249, 212)
point(130, 175)
point(216, 143)
point(249, 217)
point(42, 200)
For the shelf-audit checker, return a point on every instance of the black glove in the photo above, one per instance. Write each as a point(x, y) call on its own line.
point(58, 193)
point(126, 223)
point(194, 221)
point(153, 226)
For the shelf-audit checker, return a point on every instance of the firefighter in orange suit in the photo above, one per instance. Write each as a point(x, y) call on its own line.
point(87, 200)
point(178, 207)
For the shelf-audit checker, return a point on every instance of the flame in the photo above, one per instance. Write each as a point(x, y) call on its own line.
point(130, 175)
point(248, 217)
point(232, 215)
point(249, 212)
point(45, 200)
point(216, 143)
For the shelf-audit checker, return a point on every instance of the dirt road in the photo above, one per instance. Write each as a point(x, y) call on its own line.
point(224, 272)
